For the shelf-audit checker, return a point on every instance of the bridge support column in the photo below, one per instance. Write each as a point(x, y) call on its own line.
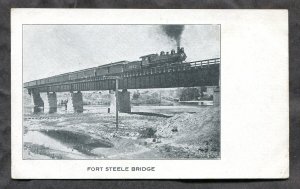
point(123, 99)
point(216, 96)
point(52, 101)
point(45, 100)
point(77, 102)
point(38, 103)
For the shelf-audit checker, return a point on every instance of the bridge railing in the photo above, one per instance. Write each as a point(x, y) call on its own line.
point(205, 62)
point(170, 67)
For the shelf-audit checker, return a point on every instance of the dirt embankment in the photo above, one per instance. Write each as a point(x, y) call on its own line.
point(192, 135)
point(145, 136)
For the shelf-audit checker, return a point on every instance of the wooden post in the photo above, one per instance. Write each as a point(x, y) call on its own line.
point(117, 100)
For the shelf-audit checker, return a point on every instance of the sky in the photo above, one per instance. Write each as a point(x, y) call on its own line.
point(50, 50)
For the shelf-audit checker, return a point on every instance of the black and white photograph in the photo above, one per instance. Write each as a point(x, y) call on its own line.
point(149, 94)
point(122, 92)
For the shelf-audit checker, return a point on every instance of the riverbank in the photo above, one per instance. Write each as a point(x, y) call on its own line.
point(93, 135)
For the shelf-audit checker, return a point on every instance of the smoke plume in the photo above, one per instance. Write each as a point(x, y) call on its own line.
point(173, 32)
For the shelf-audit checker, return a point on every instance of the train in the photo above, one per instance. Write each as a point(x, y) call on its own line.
point(146, 61)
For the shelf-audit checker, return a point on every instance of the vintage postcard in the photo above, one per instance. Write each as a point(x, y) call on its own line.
point(100, 94)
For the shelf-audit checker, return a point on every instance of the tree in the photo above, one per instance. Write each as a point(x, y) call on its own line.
point(135, 95)
point(189, 94)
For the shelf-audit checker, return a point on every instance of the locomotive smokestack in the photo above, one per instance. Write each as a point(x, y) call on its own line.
point(174, 32)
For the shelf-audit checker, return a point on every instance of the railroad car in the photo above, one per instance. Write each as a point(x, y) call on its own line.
point(50, 80)
point(57, 78)
point(150, 60)
point(42, 81)
point(101, 71)
point(65, 77)
point(80, 74)
point(133, 65)
point(116, 67)
point(32, 83)
point(89, 72)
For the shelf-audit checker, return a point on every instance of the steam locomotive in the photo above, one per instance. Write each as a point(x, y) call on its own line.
point(151, 60)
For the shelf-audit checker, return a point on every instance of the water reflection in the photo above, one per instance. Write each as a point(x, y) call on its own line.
point(66, 141)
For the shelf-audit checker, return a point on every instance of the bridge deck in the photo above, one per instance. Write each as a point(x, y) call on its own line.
point(191, 74)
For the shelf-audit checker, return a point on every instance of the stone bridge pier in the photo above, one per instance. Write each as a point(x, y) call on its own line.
point(123, 99)
point(77, 102)
point(37, 101)
point(50, 106)
point(216, 96)
point(52, 102)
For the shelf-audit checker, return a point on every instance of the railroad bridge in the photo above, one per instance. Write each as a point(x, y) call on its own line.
point(188, 74)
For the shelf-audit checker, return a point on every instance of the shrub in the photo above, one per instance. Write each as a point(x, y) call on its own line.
point(190, 94)
point(135, 95)
point(148, 133)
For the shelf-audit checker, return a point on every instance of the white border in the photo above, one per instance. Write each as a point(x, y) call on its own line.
point(254, 111)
